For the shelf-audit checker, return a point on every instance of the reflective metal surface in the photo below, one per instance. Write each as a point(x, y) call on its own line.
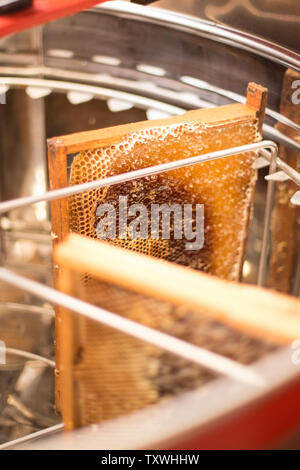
point(262, 17)
point(122, 63)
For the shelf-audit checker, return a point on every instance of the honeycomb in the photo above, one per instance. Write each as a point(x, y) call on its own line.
point(225, 187)
point(114, 374)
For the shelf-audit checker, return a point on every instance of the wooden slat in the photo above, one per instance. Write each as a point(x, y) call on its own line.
point(257, 97)
point(251, 310)
point(222, 115)
point(57, 162)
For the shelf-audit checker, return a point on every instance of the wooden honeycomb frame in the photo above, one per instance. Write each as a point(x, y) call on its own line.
point(60, 147)
point(262, 314)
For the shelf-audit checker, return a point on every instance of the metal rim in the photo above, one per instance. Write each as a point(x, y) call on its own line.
point(206, 29)
point(137, 100)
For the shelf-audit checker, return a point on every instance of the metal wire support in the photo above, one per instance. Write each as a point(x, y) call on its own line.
point(275, 162)
point(262, 268)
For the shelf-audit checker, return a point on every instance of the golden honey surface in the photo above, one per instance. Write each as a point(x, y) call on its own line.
point(225, 187)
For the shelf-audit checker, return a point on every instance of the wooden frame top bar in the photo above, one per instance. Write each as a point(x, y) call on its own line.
point(256, 101)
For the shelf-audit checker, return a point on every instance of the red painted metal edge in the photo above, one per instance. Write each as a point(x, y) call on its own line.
point(42, 12)
point(263, 425)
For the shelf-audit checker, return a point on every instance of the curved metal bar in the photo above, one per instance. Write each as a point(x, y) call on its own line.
point(205, 29)
point(97, 91)
point(30, 356)
point(159, 95)
point(132, 175)
point(202, 85)
point(293, 174)
point(274, 134)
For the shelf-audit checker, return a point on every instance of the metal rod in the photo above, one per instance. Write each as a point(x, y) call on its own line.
point(34, 435)
point(30, 356)
point(207, 359)
point(267, 220)
point(124, 85)
point(132, 175)
point(156, 102)
point(293, 174)
point(96, 91)
point(202, 85)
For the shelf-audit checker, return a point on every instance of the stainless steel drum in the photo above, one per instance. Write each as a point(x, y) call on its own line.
point(115, 64)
